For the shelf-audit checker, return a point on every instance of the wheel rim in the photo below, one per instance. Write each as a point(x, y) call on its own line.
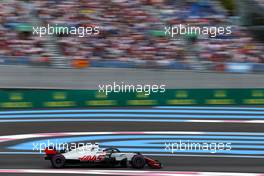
point(58, 161)
point(139, 162)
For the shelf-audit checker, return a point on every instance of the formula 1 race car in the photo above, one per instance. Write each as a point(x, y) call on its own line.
point(93, 155)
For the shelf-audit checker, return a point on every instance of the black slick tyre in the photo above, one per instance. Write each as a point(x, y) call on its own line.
point(58, 161)
point(138, 162)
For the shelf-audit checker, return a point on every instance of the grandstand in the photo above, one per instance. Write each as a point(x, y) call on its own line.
point(129, 36)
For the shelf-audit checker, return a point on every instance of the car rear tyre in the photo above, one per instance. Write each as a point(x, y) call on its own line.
point(58, 161)
point(138, 162)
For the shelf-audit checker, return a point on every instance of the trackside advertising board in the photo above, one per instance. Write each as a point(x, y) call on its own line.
point(27, 98)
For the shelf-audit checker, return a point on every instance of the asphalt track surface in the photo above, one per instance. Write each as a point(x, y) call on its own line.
point(242, 126)
point(89, 79)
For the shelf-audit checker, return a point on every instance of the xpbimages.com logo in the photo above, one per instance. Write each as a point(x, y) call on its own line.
point(40, 147)
point(147, 89)
point(65, 30)
point(212, 31)
point(210, 147)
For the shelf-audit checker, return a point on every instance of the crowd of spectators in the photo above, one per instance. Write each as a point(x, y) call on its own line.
point(127, 31)
point(15, 43)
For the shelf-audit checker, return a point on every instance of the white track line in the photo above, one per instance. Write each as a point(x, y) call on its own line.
point(123, 172)
point(133, 120)
point(44, 135)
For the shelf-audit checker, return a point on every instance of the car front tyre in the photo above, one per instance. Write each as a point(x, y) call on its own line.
point(138, 162)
